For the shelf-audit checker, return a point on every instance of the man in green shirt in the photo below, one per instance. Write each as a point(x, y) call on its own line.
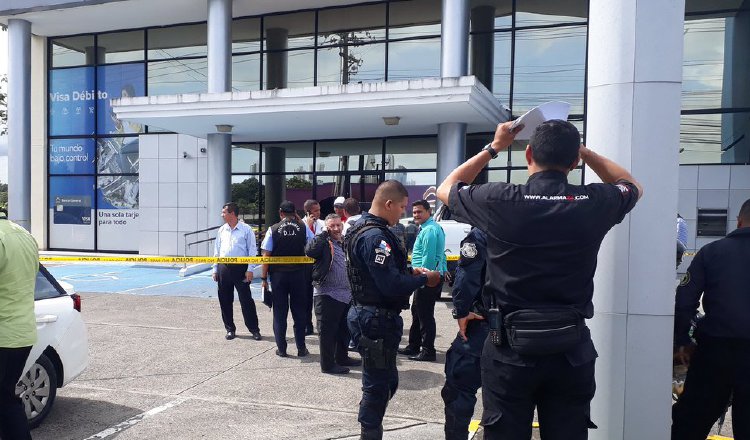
point(429, 253)
point(19, 264)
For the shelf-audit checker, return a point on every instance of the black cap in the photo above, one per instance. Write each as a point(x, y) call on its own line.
point(287, 207)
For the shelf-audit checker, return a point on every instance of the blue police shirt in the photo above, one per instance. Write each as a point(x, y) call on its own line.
point(267, 243)
point(467, 286)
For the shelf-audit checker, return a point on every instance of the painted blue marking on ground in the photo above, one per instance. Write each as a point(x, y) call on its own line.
point(138, 280)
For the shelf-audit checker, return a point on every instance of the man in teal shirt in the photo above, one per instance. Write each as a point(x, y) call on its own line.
point(429, 253)
point(19, 264)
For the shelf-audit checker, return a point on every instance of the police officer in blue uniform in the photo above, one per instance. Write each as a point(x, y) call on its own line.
point(381, 286)
point(462, 369)
point(719, 369)
point(542, 243)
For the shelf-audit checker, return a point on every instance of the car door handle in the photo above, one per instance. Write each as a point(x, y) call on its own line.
point(45, 319)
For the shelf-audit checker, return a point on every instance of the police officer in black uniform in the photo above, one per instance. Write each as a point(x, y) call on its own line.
point(720, 366)
point(381, 285)
point(542, 241)
point(462, 370)
point(287, 238)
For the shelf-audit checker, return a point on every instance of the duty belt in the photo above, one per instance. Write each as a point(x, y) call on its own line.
point(378, 310)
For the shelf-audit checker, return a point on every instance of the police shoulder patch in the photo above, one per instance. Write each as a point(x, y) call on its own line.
point(469, 250)
point(685, 279)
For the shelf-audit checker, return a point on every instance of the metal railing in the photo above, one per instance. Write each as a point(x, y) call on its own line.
point(187, 245)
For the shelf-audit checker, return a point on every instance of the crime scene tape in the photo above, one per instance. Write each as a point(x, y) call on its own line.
point(185, 260)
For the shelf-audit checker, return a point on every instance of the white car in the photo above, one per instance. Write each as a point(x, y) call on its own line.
point(61, 352)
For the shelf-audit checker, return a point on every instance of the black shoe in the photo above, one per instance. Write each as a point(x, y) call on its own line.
point(408, 351)
point(372, 433)
point(303, 352)
point(256, 336)
point(336, 370)
point(280, 353)
point(349, 362)
point(424, 356)
point(230, 336)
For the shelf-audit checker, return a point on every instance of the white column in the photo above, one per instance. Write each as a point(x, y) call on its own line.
point(19, 122)
point(454, 59)
point(219, 175)
point(633, 115)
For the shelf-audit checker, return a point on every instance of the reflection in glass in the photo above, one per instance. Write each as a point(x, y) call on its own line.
point(120, 47)
point(501, 71)
point(300, 27)
point(117, 155)
point(535, 13)
point(703, 64)
point(351, 64)
point(715, 138)
point(411, 153)
point(293, 157)
point(300, 69)
point(246, 193)
point(178, 76)
point(349, 155)
point(416, 183)
point(73, 51)
point(416, 18)
point(246, 72)
point(351, 25)
point(245, 158)
point(177, 41)
point(549, 66)
point(414, 59)
point(246, 35)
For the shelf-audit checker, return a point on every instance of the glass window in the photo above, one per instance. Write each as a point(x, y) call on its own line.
point(298, 69)
point(120, 47)
point(295, 30)
point(246, 158)
point(246, 72)
point(71, 156)
point(359, 186)
point(354, 155)
point(44, 289)
point(536, 13)
point(714, 138)
point(72, 101)
point(501, 70)
point(246, 193)
point(695, 6)
point(288, 157)
point(362, 64)
point(177, 41)
point(117, 213)
point(352, 25)
point(497, 175)
point(246, 35)
point(118, 81)
point(519, 176)
point(414, 59)
point(411, 153)
point(117, 155)
point(416, 183)
point(71, 211)
point(416, 18)
point(73, 51)
point(550, 65)
point(178, 76)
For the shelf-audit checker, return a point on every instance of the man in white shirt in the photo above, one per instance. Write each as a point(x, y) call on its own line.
point(353, 212)
point(312, 216)
point(235, 239)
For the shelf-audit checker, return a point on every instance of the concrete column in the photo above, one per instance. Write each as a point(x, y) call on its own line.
point(483, 44)
point(219, 46)
point(19, 122)
point(219, 173)
point(94, 55)
point(274, 187)
point(454, 44)
point(277, 62)
point(633, 115)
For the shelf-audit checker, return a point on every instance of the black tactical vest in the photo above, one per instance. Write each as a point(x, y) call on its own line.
point(289, 239)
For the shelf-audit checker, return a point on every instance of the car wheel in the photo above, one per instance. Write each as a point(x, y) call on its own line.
point(37, 389)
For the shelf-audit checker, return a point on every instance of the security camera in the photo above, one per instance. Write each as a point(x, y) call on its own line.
point(184, 155)
point(203, 149)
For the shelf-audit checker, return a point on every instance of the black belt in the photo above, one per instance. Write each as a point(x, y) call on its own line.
point(378, 310)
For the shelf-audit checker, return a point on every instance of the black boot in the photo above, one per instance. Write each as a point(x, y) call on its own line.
point(372, 433)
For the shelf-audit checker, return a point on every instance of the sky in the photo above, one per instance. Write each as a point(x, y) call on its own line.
point(3, 139)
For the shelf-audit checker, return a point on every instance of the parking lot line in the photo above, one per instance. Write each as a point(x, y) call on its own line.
point(136, 419)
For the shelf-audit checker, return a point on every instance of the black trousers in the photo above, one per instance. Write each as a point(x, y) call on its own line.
point(230, 277)
point(423, 329)
point(289, 292)
point(718, 370)
point(309, 326)
point(13, 424)
point(561, 393)
point(333, 330)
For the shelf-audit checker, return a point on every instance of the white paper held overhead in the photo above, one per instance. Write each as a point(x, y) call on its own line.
point(534, 117)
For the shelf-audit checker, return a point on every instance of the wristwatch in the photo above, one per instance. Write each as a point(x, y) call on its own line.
point(488, 148)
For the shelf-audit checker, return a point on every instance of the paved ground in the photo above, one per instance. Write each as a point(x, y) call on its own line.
point(160, 368)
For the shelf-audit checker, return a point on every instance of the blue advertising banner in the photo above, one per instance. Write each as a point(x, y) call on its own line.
point(71, 199)
point(72, 102)
point(118, 81)
point(71, 156)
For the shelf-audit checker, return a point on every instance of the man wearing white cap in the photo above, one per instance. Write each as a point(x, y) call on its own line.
point(338, 207)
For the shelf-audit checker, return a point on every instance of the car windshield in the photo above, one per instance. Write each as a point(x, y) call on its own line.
point(45, 288)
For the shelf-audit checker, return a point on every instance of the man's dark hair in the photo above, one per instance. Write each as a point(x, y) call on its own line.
point(745, 213)
point(555, 144)
point(309, 203)
point(351, 206)
point(391, 190)
point(232, 207)
point(423, 203)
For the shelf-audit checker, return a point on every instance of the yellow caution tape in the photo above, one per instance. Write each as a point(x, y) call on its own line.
point(719, 437)
point(187, 260)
